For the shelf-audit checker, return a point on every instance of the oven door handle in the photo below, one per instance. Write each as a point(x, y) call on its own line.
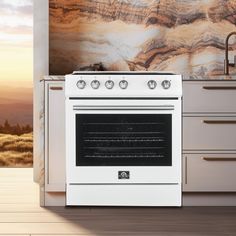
point(160, 108)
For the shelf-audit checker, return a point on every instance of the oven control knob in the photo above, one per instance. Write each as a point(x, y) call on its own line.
point(95, 84)
point(81, 84)
point(166, 84)
point(123, 84)
point(152, 84)
point(109, 84)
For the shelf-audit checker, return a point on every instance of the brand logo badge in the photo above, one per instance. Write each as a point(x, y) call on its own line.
point(123, 175)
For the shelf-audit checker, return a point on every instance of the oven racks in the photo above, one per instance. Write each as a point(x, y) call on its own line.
point(124, 139)
point(128, 155)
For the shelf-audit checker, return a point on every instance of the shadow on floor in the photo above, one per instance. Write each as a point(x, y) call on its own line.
point(151, 221)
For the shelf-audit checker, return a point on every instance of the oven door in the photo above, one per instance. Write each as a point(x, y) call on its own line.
point(133, 141)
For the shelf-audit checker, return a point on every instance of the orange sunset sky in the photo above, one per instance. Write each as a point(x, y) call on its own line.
point(16, 61)
point(16, 54)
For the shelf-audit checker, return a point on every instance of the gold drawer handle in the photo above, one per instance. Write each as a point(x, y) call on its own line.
point(219, 87)
point(219, 158)
point(56, 88)
point(219, 121)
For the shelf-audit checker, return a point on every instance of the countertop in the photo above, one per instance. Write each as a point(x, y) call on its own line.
point(209, 78)
point(53, 77)
point(185, 78)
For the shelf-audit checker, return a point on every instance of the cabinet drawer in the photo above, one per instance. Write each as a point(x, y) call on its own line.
point(209, 133)
point(209, 172)
point(208, 97)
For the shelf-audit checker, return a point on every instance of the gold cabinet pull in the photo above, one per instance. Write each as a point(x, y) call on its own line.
point(219, 121)
point(56, 88)
point(219, 87)
point(219, 158)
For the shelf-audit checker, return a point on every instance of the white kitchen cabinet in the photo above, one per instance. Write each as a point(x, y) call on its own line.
point(54, 136)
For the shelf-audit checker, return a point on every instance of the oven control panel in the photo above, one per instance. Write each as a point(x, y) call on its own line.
point(123, 85)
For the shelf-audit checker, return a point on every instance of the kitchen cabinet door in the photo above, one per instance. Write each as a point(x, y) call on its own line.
point(209, 97)
point(216, 133)
point(54, 137)
point(209, 172)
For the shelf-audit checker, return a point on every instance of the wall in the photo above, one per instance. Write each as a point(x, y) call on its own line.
point(41, 68)
point(175, 35)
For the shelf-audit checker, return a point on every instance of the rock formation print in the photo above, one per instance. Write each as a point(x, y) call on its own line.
point(183, 36)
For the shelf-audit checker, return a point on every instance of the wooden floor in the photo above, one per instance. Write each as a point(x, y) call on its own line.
point(20, 214)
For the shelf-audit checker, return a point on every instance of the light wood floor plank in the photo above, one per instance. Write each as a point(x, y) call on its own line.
point(13, 207)
point(42, 228)
point(135, 224)
point(61, 214)
point(139, 234)
point(15, 235)
point(17, 187)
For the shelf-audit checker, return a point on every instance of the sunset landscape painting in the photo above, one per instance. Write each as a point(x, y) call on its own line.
point(16, 83)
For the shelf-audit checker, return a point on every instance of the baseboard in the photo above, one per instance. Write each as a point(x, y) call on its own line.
point(209, 199)
point(55, 199)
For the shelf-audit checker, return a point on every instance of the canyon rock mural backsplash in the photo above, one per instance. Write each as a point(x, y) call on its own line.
point(183, 36)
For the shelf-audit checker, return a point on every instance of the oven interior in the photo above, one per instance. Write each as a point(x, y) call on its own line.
point(123, 139)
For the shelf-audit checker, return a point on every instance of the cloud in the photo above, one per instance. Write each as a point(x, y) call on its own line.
point(19, 29)
point(16, 23)
point(12, 45)
point(6, 45)
point(21, 8)
point(26, 10)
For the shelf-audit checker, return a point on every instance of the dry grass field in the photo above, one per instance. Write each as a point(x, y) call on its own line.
point(16, 150)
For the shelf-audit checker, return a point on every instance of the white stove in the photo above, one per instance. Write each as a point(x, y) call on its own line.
point(123, 139)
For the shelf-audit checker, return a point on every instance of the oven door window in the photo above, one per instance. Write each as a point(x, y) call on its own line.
point(123, 139)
